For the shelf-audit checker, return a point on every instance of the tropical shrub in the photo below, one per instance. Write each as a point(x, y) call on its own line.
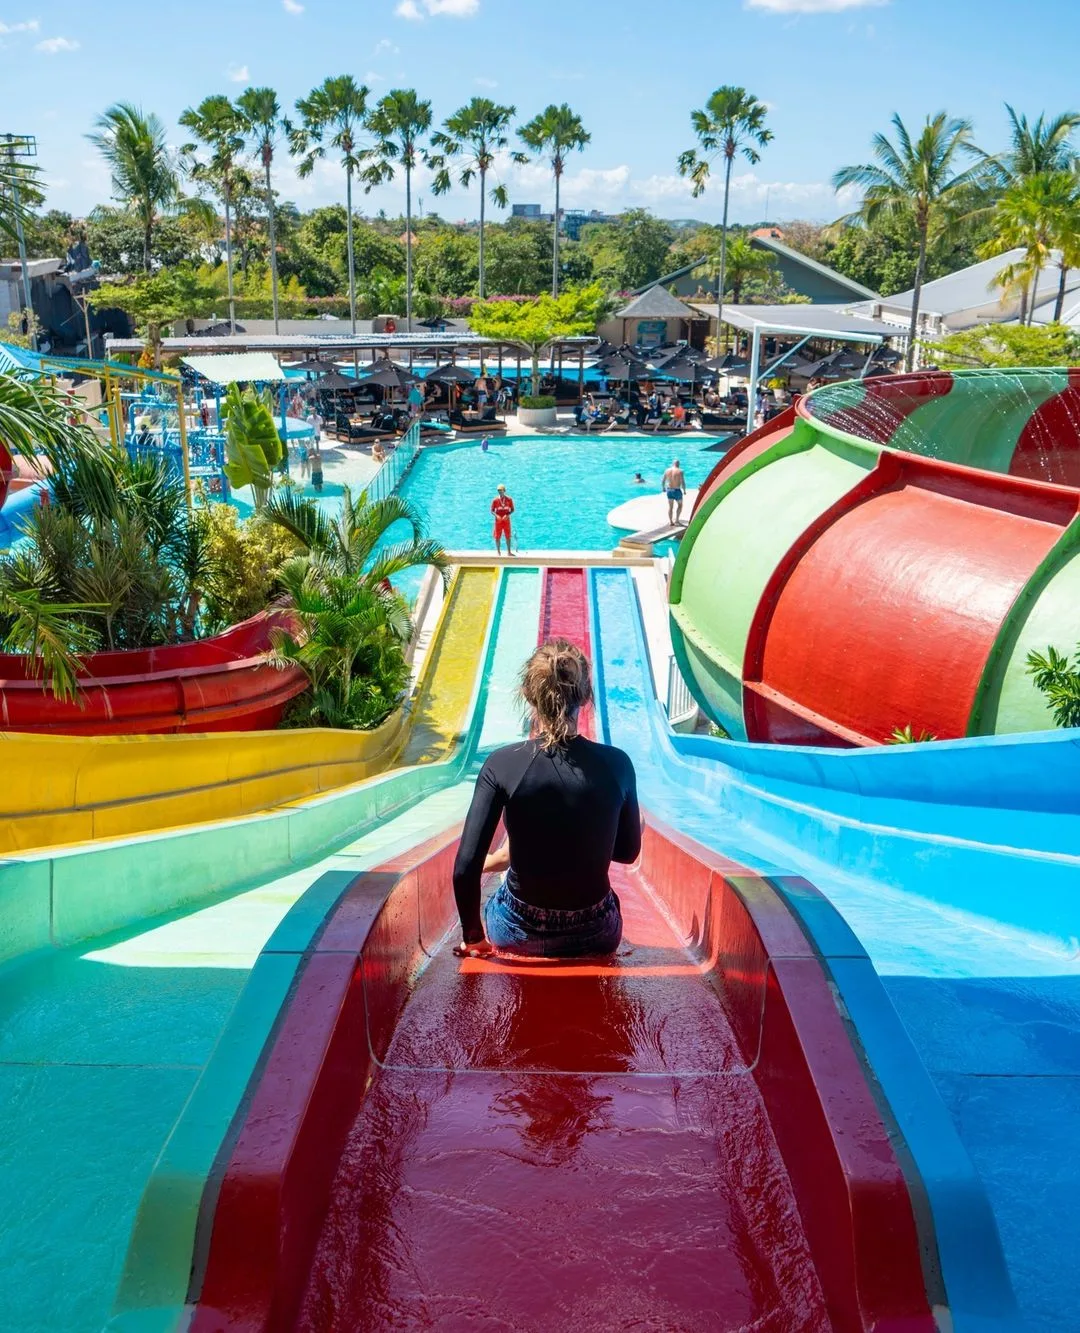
point(351, 626)
point(537, 400)
point(253, 448)
point(1058, 680)
point(907, 735)
point(246, 557)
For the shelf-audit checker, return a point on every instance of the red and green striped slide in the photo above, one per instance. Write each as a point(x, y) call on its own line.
point(884, 555)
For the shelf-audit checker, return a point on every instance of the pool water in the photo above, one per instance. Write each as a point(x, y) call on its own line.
point(563, 487)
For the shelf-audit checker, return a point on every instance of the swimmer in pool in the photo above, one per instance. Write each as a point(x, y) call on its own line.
point(639, 480)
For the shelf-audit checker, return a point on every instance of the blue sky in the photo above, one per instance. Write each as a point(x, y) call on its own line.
point(831, 71)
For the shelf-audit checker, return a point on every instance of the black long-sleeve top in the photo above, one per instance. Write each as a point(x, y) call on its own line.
point(569, 813)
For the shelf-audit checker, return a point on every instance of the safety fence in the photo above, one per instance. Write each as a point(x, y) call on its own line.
point(680, 702)
point(390, 476)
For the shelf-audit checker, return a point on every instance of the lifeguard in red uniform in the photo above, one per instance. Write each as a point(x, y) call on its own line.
point(502, 507)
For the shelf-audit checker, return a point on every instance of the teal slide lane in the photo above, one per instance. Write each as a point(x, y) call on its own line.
point(129, 1039)
point(879, 906)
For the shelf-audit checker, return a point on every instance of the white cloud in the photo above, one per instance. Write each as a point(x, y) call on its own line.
point(28, 25)
point(53, 45)
point(372, 77)
point(292, 6)
point(812, 6)
point(238, 73)
point(486, 83)
point(386, 47)
point(416, 10)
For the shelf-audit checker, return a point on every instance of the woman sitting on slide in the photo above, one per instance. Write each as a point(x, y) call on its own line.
point(570, 809)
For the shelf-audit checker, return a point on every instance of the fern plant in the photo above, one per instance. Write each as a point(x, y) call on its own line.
point(1058, 680)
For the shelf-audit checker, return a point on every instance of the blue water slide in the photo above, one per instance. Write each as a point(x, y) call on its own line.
point(946, 904)
point(17, 508)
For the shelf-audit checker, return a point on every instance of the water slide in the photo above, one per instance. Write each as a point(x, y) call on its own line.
point(251, 1045)
point(885, 555)
point(679, 1138)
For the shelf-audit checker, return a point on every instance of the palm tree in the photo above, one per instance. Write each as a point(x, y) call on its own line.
point(1033, 149)
point(1039, 213)
point(556, 131)
point(399, 122)
point(474, 133)
point(922, 179)
point(217, 124)
point(353, 626)
point(731, 123)
point(143, 172)
point(744, 263)
point(333, 116)
point(262, 122)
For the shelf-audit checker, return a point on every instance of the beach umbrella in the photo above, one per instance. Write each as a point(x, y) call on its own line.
point(451, 374)
point(312, 366)
point(389, 375)
point(334, 381)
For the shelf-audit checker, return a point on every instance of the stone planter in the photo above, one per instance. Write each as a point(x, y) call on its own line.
point(539, 418)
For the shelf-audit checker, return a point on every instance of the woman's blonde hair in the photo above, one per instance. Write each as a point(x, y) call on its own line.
point(556, 683)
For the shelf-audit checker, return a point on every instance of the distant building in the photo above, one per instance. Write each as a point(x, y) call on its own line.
point(818, 283)
point(530, 211)
point(574, 219)
point(53, 293)
point(971, 297)
point(769, 232)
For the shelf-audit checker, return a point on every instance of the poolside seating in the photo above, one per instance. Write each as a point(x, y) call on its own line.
point(487, 423)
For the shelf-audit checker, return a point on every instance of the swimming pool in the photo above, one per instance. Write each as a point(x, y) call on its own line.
point(563, 487)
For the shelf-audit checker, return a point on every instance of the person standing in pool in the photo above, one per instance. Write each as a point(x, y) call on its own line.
point(502, 507)
point(673, 484)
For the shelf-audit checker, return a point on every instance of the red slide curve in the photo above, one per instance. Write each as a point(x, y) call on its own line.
point(679, 1137)
point(222, 683)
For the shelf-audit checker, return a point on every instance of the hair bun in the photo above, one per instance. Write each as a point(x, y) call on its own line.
point(556, 684)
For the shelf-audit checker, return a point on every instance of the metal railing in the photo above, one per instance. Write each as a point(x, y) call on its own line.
point(390, 476)
point(681, 704)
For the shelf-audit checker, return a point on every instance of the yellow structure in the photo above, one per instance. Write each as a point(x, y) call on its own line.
point(68, 789)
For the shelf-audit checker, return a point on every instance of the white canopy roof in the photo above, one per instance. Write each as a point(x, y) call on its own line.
point(803, 321)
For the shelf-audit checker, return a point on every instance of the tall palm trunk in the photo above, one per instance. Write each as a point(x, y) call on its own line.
point(1022, 317)
point(483, 187)
point(148, 227)
point(555, 241)
point(228, 257)
point(271, 230)
point(349, 246)
point(1059, 304)
point(408, 246)
point(1034, 294)
point(721, 280)
point(920, 272)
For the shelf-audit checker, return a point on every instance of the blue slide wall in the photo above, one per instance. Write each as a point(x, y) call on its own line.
point(954, 868)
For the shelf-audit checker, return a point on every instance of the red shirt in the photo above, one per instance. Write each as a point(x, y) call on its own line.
point(502, 506)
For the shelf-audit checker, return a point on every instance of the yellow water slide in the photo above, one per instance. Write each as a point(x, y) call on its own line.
point(77, 788)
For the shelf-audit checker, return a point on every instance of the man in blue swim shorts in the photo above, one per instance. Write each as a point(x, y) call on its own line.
point(673, 484)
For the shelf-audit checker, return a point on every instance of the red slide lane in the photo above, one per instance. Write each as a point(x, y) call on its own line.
point(564, 614)
point(677, 1138)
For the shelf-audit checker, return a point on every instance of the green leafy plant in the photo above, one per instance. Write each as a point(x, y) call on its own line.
point(907, 735)
point(537, 400)
point(1058, 680)
point(535, 323)
point(253, 448)
point(246, 557)
point(352, 627)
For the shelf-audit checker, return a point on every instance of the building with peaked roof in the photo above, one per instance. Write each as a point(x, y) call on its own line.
point(818, 283)
point(652, 318)
point(971, 297)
